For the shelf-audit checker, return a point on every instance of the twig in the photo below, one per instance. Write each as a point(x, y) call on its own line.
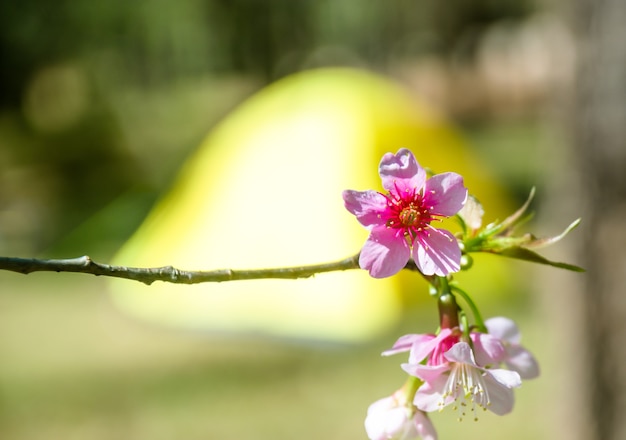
point(168, 273)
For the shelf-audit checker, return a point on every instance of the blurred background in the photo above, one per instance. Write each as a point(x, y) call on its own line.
point(102, 102)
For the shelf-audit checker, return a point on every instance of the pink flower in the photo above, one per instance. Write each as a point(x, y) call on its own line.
point(430, 348)
point(515, 356)
point(453, 371)
point(425, 346)
point(400, 222)
point(461, 380)
point(391, 418)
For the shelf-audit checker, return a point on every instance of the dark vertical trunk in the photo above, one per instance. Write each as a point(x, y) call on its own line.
point(599, 148)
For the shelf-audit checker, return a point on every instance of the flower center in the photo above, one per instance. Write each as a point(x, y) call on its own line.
point(409, 216)
point(408, 212)
point(467, 386)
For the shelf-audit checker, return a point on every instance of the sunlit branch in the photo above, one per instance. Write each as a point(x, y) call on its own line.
point(168, 273)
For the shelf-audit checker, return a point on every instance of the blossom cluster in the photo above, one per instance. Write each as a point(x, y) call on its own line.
point(473, 367)
point(456, 369)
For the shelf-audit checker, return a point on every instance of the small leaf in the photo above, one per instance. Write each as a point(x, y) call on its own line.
point(520, 253)
point(514, 218)
point(543, 242)
point(505, 227)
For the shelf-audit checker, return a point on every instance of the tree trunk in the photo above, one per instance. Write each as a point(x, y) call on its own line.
point(599, 149)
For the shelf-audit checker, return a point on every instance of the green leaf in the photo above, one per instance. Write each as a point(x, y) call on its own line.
point(517, 215)
point(528, 255)
point(543, 242)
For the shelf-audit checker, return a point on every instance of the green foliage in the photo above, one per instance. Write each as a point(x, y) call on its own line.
point(500, 237)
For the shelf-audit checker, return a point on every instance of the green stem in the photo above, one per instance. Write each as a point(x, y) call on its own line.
point(477, 316)
point(446, 303)
point(465, 326)
point(410, 387)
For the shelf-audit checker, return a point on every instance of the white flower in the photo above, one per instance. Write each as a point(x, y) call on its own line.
point(392, 419)
point(461, 381)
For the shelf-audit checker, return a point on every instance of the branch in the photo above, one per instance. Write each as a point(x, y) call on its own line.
point(168, 273)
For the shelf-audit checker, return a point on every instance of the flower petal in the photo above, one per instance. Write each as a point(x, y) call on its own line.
point(401, 170)
point(368, 206)
point(436, 252)
point(461, 353)
point(424, 426)
point(506, 378)
point(501, 397)
point(488, 349)
point(521, 360)
point(445, 194)
point(406, 342)
point(388, 419)
point(429, 396)
point(382, 405)
point(384, 253)
point(384, 417)
point(434, 348)
point(428, 373)
point(503, 328)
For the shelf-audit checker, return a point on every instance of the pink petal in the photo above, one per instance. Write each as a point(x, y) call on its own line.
point(368, 206)
point(404, 343)
point(501, 398)
point(387, 419)
point(522, 361)
point(503, 328)
point(429, 396)
point(425, 427)
point(401, 169)
point(445, 193)
point(461, 353)
point(428, 373)
point(436, 252)
point(420, 351)
point(398, 424)
point(384, 417)
point(488, 350)
point(382, 405)
point(384, 253)
point(506, 378)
